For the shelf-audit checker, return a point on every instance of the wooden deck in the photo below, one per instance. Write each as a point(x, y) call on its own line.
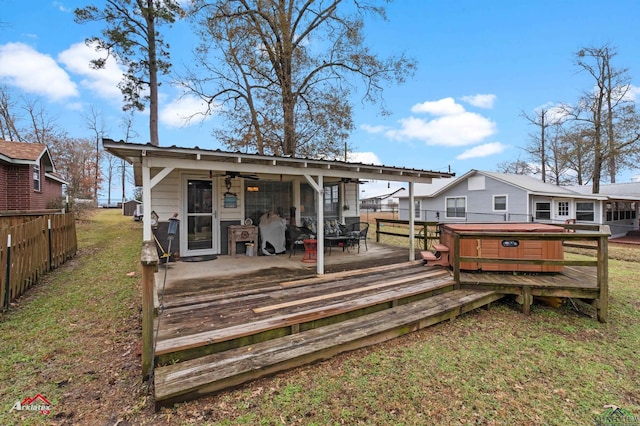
point(577, 282)
point(221, 341)
point(218, 332)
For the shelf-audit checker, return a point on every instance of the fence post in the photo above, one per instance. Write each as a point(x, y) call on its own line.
point(149, 260)
point(7, 284)
point(50, 246)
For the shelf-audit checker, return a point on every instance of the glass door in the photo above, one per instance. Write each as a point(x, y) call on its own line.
point(201, 229)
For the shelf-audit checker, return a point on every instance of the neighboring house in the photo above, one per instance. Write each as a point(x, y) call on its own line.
point(621, 210)
point(480, 196)
point(28, 178)
point(382, 202)
point(211, 190)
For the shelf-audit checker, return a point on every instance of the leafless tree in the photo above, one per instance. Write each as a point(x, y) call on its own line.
point(8, 119)
point(284, 71)
point(517, 167)
point(607, 112)
point(95, 123)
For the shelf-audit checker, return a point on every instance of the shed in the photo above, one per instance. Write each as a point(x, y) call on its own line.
point(129, 207)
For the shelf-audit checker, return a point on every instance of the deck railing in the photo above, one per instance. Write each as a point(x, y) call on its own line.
point(595, 233)
point(30, 247)
point(426, 232)
point(149, 260)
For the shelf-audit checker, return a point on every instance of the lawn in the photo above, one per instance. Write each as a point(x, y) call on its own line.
point(75, 340)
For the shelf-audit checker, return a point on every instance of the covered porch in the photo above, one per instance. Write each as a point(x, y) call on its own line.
point(216, 195)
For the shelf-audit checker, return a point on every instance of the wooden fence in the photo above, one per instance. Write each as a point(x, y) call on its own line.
point(426, 232)
point(30, 247)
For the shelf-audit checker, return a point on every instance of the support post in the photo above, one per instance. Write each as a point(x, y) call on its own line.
point(603, 278)
point(456, 259)
point(149, 260)
point(412, 208)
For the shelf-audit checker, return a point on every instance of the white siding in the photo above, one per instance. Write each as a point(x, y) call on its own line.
point(237, 187)
point(165, 196)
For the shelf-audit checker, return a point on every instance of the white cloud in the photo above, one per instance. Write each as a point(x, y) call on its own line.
point(554, 113)
point(633, 94)
point(102, 82)
point(483, 150)
point(61, 7)
point(445, 106)
point(180, 111)
point(363, 157)
point(33, 72)
point(452, 130)
point(480, 101)
point(373, 129)
point(451, 126)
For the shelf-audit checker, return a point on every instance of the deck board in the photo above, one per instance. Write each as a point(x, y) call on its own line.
point(237, 309)
point(243, 323)
point(572, 277)
point(191, 379)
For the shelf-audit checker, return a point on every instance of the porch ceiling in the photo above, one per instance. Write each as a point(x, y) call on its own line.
point(216, 160)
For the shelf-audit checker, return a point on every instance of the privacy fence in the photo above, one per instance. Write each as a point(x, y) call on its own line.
point(30, 246)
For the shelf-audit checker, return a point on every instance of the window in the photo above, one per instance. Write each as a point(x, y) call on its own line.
point(456, 207)
point(416, 208)
point(265, 197)
point(543, 211)
point(563, 208)
point(499, 203)
point(36, 178)
point(331, 201)
point(585, 212)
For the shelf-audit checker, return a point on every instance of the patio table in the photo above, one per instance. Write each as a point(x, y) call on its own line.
point(340, 241)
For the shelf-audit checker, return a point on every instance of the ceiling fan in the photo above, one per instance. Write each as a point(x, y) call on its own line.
point(231, 175)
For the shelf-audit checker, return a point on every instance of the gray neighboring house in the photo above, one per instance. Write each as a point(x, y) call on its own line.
point(481, 196)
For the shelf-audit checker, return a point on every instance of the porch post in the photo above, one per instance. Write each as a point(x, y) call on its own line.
point(146, 200)
point(319, 188)
point(412, 208)
point(149, 260)
point(320, 227)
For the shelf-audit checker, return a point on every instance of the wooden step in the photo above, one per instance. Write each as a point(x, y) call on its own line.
point(321, 313)
point(441, 248)
point(213, 373)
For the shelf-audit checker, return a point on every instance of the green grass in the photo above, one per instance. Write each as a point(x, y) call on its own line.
point(88, 299)
point(70, 338)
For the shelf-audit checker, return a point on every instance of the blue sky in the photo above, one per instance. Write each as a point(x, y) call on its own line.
point(480, 65)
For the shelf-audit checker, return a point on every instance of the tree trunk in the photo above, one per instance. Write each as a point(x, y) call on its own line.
point(153, 75)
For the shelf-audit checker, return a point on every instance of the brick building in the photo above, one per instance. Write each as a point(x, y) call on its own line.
point(28, 178)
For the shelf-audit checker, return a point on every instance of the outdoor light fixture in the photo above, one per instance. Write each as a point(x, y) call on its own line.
point(173, 227)
point(253, 188)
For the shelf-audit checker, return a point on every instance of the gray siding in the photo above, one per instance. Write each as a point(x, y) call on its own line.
point(479, 202)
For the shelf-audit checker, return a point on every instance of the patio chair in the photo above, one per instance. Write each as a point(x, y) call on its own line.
point(358, 232)
point(295, 235)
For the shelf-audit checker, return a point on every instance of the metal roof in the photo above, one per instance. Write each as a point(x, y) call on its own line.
point(524, 182)
point(221, 161)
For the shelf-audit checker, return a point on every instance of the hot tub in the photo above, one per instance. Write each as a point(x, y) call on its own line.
point(506, 248)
